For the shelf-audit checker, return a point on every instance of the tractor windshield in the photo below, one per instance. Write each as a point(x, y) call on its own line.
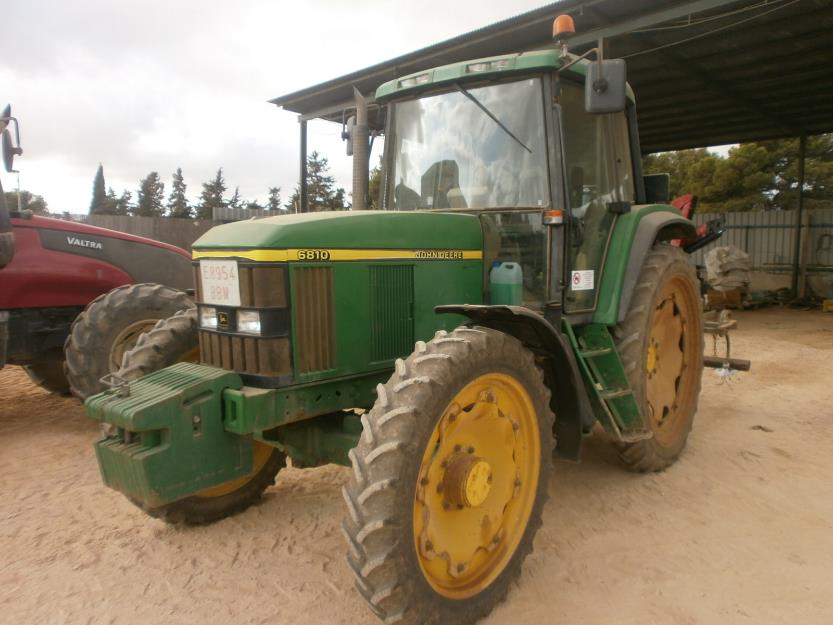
point(470, 149)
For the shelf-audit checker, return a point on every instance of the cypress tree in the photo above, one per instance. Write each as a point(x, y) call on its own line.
point(98, 205)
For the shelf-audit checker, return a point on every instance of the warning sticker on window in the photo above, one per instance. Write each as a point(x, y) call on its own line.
point(582, 280)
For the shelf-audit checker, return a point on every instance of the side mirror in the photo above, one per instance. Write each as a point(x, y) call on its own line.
point(9, 151)
point(604, 86)
point(347, 134)
point(8, 148)
point(657, 188)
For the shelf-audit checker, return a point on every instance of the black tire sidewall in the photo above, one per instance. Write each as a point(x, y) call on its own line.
point(425, 390)
point(89, 344)
point(676, 263)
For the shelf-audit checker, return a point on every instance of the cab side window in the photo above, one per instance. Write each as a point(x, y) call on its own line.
point(599, 171)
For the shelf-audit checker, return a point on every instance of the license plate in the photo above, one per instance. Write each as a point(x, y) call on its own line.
point(220, 282)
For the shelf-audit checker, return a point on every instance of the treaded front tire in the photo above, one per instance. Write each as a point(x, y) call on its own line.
point(388, 474)
point(171, 340)
point(666, 297)
point(109, 326)
point(176, 339)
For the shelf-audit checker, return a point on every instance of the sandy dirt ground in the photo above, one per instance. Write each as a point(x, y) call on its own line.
point(739, 531)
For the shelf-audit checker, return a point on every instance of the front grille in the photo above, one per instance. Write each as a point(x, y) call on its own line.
point(254, 355)
point(263, 287)
point(315, 318)
point(391, 313)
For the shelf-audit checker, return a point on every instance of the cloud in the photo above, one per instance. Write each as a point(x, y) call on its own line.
point(155, 85)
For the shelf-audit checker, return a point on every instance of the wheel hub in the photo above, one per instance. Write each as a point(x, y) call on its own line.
point(467, 480)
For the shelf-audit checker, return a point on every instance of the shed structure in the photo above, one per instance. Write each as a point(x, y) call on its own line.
point(705, 72)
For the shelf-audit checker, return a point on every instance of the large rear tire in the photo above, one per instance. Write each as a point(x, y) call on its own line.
point(49, 375)
point(449, 479)
point(661, 346)
point(109, 326)
point(175, 340)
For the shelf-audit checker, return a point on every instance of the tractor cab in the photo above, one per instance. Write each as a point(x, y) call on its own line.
point(515, 140)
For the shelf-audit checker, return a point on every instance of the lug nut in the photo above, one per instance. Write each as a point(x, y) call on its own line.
point(460, 567)
point(440, 488)
point(457, 447)
point(470, 450)
point(424, 481)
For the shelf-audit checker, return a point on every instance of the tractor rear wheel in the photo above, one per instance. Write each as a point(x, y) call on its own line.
point(49, 375)
point(109, 326)
point(449, 479)
point(661, 346)
point(175, 340)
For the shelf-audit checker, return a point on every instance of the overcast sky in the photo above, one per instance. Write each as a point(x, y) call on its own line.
point(153, 85)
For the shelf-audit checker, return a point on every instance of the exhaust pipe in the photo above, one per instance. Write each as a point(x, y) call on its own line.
point(361, 156)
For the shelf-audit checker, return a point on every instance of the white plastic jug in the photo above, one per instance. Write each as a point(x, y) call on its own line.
point(506, 282)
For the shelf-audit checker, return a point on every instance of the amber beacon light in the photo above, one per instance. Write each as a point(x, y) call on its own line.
point(563, 26)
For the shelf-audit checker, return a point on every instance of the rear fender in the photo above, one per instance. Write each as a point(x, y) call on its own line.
point(569, 402)
point(634, 235)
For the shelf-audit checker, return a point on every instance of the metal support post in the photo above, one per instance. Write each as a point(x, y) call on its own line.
point(304, 203)
point(802, 153)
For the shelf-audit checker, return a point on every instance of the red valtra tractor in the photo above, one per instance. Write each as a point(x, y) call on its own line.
point(73, 297)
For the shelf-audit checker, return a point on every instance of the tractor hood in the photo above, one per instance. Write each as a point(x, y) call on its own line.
point(349, 230)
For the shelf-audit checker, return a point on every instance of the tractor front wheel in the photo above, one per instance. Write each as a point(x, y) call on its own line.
point(175, 340)
point(449, 479)
point(661, 346)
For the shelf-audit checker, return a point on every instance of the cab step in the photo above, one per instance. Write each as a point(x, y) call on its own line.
point(612, 397)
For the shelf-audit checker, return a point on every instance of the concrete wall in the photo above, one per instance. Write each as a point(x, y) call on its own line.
point(179, 232)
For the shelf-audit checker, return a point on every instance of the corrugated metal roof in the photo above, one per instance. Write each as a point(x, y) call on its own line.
point(705, 72)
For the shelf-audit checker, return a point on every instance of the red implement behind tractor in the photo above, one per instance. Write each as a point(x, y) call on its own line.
point(74, 298)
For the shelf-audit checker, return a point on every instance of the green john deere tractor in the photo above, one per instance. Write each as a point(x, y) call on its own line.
point(517, 287)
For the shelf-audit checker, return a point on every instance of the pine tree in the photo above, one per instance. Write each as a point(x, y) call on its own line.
point(98, 205)
point(373, 186)
point(322, 193)
point(274, 201)
point(123, 204)
point(253, 205)
point(212, 196)
point(177, 201)
point(235, 201)
point(28, 202)
point(151, 197)
point(753, 176)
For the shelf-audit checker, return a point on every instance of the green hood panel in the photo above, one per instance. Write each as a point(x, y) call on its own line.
point(349, 229)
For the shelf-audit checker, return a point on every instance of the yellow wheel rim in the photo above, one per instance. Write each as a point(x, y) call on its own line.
point(672, 347)
point(262, 453)
point(126, 340)
point(477, 485)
